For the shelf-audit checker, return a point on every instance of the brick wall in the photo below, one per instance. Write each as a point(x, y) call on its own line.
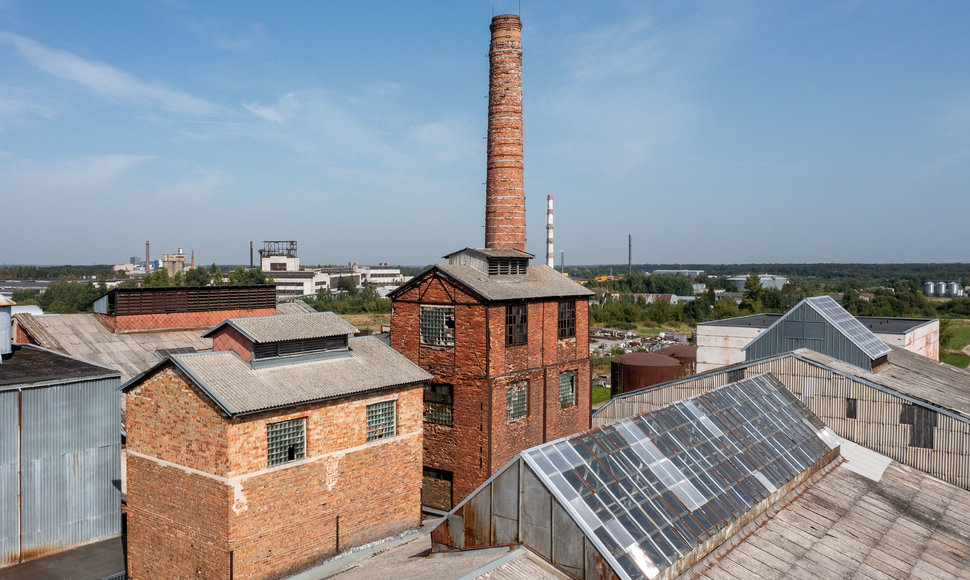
point(178, 320)
point(200, 493)
point(228, 338)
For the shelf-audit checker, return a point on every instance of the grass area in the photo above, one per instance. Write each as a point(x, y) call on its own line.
point(600, 394)
point(368, 321)
point(957, 359)
point(961, 334)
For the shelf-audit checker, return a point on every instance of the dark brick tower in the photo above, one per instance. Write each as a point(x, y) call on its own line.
point(504, 192)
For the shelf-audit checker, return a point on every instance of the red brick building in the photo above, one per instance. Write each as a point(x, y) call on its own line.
point(289, 443)
point(506, 341)
point(510, 358)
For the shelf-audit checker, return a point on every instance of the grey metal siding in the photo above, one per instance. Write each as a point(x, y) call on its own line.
point(71, 468)
point(9, 482)
point(831, 342)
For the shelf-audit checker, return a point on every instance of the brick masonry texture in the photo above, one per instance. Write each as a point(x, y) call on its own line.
point(481, 368)
point(504, 191)
point(202, 501)
point(178, 320)
point(228, 338)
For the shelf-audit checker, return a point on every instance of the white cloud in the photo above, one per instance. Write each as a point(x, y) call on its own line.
point(67, 179)
point(285, 109)
point(105, 79)
point(221, 37)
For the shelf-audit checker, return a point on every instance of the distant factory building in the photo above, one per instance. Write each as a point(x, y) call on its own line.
point(290, 442)
point(59, 450)
point(687, 273)
point(768, 281)
point(722, 342)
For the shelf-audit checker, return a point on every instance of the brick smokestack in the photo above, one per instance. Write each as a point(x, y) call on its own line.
point(504, 193)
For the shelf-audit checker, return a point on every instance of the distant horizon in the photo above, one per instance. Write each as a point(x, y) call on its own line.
point(719, 133)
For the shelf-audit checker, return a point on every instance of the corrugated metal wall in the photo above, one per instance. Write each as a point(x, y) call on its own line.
point(9, 486)
point(70, 466)
point(830, 342)
point(876, 427)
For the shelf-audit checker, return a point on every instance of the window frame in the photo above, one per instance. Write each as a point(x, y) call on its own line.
point(567, 320)
point(375, 432)
point(285, 443)
point(427, 325)
point(515, 391)
point(516, 324)
point(439, 408)
point(851, 408)
point(572, 389)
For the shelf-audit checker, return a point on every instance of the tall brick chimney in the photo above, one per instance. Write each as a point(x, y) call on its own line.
point(504, 192)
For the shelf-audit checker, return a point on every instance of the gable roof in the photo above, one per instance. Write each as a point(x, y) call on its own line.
point(492, 253)
point(540, 281)
point(841, 320)
point(287, 327)
point(240, 389)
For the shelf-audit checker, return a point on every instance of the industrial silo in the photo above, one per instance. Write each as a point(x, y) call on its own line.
point(928, 288)
point(941, 288)
point(636, 370)
point(953, 288)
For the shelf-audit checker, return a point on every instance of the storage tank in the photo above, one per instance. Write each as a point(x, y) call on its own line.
point(928, 287)
point(953, 288)
point(685, 353)
point(637, 370)
point(941, 288)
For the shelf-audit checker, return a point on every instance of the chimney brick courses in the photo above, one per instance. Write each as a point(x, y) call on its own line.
point(504, 192)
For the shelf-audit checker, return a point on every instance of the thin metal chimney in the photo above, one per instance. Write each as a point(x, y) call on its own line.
point(629, 255)
point(550, 252)
point(504, 192)
point(146, 256)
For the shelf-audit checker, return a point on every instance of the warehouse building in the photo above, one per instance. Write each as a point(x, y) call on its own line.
point(722, 342)
point(271, 453)
point(899, 404)
point(59, 451)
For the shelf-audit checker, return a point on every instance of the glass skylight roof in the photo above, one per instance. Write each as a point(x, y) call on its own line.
point(650, 489)
point(849, 326)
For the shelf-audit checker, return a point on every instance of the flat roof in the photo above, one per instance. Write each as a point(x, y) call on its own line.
point(29, 364)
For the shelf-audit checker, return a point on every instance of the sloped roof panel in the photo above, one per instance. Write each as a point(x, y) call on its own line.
point(649, 490)
point(854, 330)
point(541, 281)
point(289, 327)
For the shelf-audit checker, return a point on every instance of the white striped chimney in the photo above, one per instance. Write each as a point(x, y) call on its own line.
point(550, 253)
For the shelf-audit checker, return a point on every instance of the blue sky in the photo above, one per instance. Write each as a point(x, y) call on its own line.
point(713, 132)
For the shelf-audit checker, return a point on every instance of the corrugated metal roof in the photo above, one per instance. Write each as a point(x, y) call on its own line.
point(288, 327)
point(239, 388)
point(295, 307)
point(911, 375)
point(493, 253)
point(84, 337)
point(4, 301)
point(541, 281)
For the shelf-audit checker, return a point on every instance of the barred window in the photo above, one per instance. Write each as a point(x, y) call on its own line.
point(437, 325)
point(517, 398)
point(567, 319)
point(381, 420)
point(285, 441)
point(516, 324)
point(438, 403)
point(567, 389)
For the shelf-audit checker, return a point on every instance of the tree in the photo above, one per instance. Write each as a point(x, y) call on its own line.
point(157, 279)
point(248, 277)
point(198, 277)
point(346, 284)
point(177, 279)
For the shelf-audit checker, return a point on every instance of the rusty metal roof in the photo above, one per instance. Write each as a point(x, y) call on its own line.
point(239, 389)
point(281, 327)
